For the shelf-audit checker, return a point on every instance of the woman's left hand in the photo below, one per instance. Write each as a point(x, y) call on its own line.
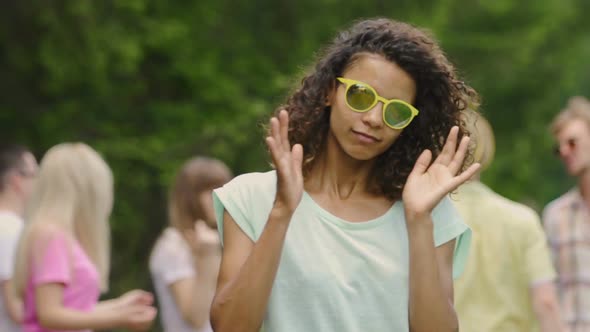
point(428, 183)
point(136, 297)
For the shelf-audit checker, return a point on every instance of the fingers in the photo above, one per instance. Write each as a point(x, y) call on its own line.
point(448, 151)
point(457, 161)
point(142, 315)
point(422, 163)
point(279, 126)
point(284, 129)
point(278, 140)
point(201, 226)
point(136, 298)
point(144, 298)
point(274, 149)
point(208, 236)
point(298, 158)
point(463, 177)
point(147, 298)
point(275, 131)
point(149, 313)
point(204, 237)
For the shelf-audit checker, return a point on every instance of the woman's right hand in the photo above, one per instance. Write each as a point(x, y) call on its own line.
point(206, 249)
point(288, 162)
point(203, 240)
point(137, 317)
point(135, 297)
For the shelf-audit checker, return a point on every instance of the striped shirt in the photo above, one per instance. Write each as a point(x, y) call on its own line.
point(567, 224)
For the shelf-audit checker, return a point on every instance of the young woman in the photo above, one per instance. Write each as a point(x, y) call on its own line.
point(185, 259)
point(63, 255)
point(353, 231)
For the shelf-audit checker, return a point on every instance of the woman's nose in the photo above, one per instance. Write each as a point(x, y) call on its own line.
point(374, 116)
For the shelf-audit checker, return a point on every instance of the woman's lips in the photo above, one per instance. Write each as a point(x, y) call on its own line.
point(365, 138)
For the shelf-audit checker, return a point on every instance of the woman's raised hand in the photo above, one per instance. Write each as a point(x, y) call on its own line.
point(428, 183)
point(288, 162)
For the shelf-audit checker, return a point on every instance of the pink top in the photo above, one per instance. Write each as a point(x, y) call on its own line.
point(65, 262)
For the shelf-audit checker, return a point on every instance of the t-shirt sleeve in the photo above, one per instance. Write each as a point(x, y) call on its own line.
point(175, 265)
point(248, 199)
point(448, 225)
point(551, 228)
point(235, 202)
point(8, 244)
point(537, 259)
point(51, 262)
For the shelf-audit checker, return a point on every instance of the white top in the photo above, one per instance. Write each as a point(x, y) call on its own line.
point(336, 275)
point(171, 261)
point(11, 227)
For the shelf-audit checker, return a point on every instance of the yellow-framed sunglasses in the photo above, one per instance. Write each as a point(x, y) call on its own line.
point(361, 97)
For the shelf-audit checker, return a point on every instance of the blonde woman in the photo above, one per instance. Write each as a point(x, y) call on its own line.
point(63, 256)
point(185, 260)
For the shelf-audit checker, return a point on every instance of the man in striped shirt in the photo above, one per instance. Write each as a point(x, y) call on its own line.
point(567, 219)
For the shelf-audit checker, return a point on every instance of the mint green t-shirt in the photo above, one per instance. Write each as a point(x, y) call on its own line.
point(336, 275)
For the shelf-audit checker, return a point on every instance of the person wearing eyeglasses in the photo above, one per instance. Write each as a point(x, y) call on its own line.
point(18, 168)
point(508, 282)
point(567, 219)
point(353, 230)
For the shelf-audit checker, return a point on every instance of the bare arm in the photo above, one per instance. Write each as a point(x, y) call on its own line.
point(431, 281)
point(193, 296)
point(546, 307)
point(247, 274)
point(248, 269)
point(12, 303)
point(54, 315)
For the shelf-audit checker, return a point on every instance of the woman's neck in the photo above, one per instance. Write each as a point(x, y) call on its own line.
point(10, 202)
point(337, 174)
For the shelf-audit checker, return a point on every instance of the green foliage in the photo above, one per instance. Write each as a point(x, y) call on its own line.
point(150, 83)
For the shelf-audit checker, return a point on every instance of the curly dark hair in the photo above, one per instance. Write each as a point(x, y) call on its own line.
point(440, 97)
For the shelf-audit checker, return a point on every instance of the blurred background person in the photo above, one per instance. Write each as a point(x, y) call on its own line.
point(185, 260)
point(18, 169)
point(508, 283)
point(567, 219)
point(62, 262)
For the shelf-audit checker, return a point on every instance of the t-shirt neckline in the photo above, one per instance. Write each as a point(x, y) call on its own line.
point(388, 216)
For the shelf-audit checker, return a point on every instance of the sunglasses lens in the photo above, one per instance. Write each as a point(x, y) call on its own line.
point(360, 98)
point(397, 115)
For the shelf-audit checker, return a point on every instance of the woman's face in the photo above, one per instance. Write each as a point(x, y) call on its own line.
point(364, 136)
point(206, 201)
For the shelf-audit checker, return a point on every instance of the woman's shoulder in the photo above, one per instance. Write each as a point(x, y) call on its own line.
point(251, 185)
point(47, 231)
point(248, 198)
point(170, 242)
point(170, 248)
point(254, 180)
point(48, 238)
